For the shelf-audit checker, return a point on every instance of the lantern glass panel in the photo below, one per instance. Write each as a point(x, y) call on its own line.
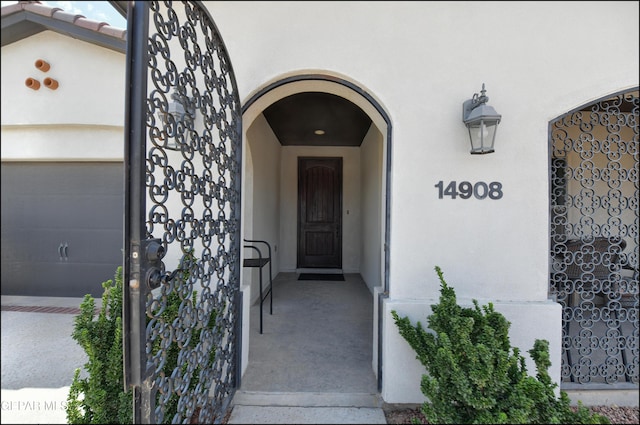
point(482, 135)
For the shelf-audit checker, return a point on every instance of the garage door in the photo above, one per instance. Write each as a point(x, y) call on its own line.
point(62, 227)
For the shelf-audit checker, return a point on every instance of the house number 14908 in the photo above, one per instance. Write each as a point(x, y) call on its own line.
point(465, 190)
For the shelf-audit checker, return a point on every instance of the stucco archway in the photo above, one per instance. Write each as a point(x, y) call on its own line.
point(268, 200)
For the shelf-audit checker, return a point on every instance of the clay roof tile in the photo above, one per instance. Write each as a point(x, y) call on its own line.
point(61, 15)
point(56, 13)
point(40, 9)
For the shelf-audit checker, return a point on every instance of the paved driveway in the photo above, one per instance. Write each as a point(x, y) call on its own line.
point(38, 359)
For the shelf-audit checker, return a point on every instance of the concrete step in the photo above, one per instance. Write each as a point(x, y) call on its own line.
point(306, 399)
point(306, 415)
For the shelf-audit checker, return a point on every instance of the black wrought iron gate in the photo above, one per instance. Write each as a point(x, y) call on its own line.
point(182, 222)
point(594, 187)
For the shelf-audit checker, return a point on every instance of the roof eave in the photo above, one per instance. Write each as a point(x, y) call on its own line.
point(20, 25)
point(120, 7)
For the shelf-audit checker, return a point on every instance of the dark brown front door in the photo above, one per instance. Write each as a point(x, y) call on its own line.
point(320, 212)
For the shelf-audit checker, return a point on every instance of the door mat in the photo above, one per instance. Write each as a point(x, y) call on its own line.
point(321, 276)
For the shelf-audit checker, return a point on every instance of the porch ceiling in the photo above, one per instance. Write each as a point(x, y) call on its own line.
point(294, 120)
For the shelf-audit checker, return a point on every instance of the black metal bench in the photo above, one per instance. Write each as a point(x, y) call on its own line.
point(259, 263)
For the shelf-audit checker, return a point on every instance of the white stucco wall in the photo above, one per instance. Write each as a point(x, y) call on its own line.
point(372, 192)
point(265, 197)
point(421, 60)
point(372, 170)
point(82, 119)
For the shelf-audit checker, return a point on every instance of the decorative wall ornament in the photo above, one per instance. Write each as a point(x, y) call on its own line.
point(32, 83)
point(42, 65)
point(50, 83)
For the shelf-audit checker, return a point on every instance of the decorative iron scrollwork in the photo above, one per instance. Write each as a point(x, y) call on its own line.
point(594, 239)
point(193, 128)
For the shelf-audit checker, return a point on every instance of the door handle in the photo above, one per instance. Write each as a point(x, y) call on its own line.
point(63, 251)
point(156, 277)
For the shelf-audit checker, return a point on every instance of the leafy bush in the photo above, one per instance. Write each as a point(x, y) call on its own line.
point(475, 376)
point(100, 397)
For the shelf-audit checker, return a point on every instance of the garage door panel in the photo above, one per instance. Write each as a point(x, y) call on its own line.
point(52, 245)
point(57, 280)
point(62, 227)
point(104, 246)
point(75, 211)
point(32, 245)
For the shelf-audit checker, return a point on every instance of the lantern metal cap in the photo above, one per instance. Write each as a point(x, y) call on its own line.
point(476, 109)
point(482, 112)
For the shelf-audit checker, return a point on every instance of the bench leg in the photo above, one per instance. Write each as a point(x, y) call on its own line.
point(270, 295)
point(260, 270)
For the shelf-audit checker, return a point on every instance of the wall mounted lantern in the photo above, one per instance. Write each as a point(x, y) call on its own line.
point(482, 121)
point(182, 111)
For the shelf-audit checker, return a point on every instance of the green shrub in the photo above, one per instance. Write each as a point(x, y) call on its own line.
point(100, 397)
point(475, 376)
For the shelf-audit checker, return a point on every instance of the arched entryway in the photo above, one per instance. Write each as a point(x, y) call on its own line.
point(594, 240)
point(270, 189)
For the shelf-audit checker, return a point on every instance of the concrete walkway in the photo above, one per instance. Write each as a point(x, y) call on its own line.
point(312, 364)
